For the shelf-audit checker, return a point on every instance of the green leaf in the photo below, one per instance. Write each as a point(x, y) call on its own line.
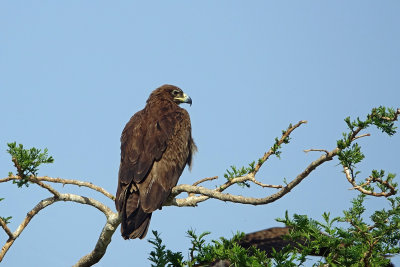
point(27, 161)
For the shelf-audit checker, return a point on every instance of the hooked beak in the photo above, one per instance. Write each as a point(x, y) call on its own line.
point(185, 99)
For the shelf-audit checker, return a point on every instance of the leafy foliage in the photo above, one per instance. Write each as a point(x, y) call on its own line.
point(27, 161)
point(286, 257)
point(6, 219)
point(203, 254)
point(161, 257)
point(357, 243)
point(344, 241)
point(237, 172)
point(381, 117)
point(275, 148)
point(350, 153)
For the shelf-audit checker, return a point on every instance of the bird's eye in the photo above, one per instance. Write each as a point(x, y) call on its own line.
point(175, 92)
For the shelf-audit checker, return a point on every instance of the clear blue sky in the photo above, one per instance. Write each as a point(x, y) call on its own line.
point(72, 73)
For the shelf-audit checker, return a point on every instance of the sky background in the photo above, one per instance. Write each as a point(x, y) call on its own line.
point(72, 73)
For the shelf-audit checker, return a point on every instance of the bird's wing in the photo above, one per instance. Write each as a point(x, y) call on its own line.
point(143, 141)
point(165, 172)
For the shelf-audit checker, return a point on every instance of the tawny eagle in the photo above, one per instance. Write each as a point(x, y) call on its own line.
point(156, 145)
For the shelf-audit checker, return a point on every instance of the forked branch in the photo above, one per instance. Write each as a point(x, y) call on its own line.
point(112, 221)
point(206, 193)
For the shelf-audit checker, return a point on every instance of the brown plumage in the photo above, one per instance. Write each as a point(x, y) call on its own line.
point(156, 145)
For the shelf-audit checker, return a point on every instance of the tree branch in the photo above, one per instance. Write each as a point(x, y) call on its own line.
point(41, 205)
point(361, 136)
point(316, 150)
point(206, 193)
point(101, 246)
point(45, 186)
point(6, 229)
point(395, 116)
point(78, 183)
point(64, 181)
point(265, 185)
point(285, 135)
point(217, 193)
point(204, 180)
point(47, 202)
point(368, 192)
point(105, 236)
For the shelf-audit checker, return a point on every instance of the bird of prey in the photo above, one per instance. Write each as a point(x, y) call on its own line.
point(156, 145)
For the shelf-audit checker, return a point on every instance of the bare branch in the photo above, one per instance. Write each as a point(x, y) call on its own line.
point(64, 181)
point(204, 180)
point(201, 181)
point(7, 179)
point(6, 229)
point(361, 136)
point(102, 243)
point(41, 205)
point(45, 186)
point(87, 201)
point(105, 236)
point(48, 201)
point(265, 185)
point(78, 183)
point(316, 150)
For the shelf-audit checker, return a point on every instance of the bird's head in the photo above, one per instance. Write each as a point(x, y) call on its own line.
point(173, 93)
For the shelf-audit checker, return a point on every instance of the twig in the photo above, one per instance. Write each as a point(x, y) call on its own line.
point(45, 186)
point(265, 185)
point(64, 181)
point(201, 181)
point(280, 142)
point(6, 229)
point(205, 179)
point(217, 193)
point(361, 136)
point(78, 183)
point(18, 167)
point(368, 181)
point(368, 192)
point(316, 150)
point(32, 179)
point(395, 116)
